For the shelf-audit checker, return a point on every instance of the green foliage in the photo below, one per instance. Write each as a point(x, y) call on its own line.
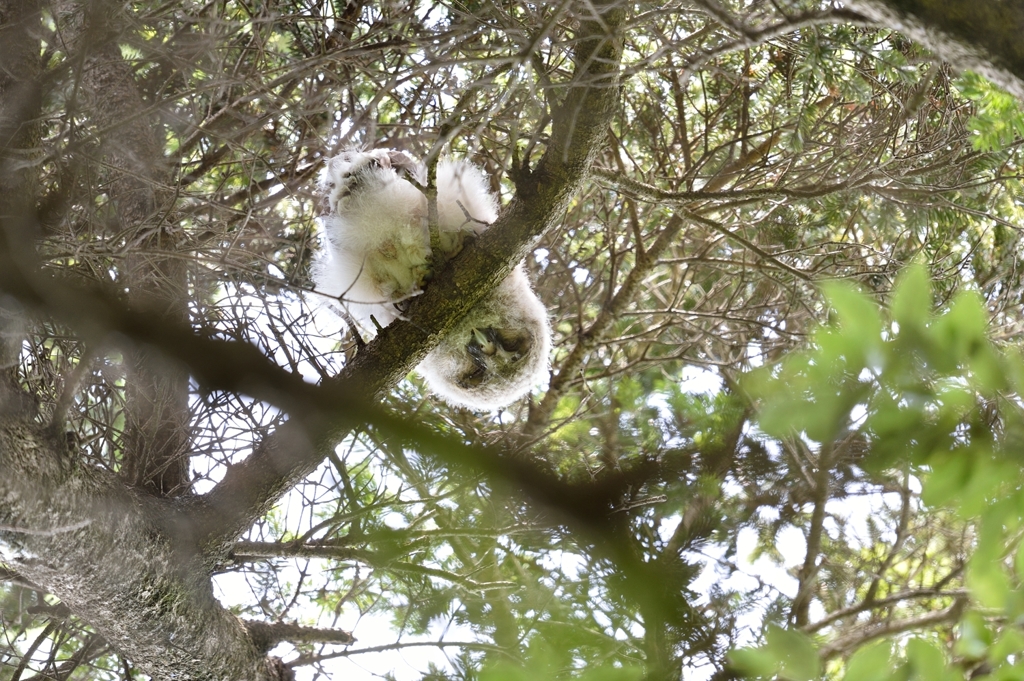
point(870, 663)
point(547, 659)
point(925, 661)
point(786, 653)
point(913, 379)
point(998, 118)
point(929, 391)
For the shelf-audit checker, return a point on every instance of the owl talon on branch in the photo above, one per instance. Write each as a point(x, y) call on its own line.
point(377, 256)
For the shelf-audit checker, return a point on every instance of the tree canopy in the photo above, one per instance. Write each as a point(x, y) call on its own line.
point(779, 242)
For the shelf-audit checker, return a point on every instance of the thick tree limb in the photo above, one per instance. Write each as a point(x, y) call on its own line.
point(131, 571)
point(269, 634)
point(976, 35)
point(157, 415)
point(19, 100)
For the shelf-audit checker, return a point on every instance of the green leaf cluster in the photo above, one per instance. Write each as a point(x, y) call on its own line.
point(932, 395)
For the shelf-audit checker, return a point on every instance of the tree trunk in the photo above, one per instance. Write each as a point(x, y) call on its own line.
point(122, 561)
point(156, 432)
point(19, 101)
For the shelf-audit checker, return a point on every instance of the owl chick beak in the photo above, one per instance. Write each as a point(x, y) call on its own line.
point(486, 345)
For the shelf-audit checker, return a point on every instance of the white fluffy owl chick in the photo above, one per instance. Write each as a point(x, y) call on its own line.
point(377, 255)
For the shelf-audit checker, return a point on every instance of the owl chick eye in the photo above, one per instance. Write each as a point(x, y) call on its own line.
point(513, 345)
point(490, 350)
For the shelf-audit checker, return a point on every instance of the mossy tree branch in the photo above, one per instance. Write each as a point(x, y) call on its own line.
point(975, 35)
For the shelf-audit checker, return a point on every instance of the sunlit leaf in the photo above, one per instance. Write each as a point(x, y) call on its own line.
point(871, 663)
point(794, 652)
point(911, 304)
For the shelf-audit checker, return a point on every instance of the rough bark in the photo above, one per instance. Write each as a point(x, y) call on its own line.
point(156, 431)
point(19, 99)
point(121, 560)
point(976, 35)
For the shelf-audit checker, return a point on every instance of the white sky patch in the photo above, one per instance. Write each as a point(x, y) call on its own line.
point(755, 356)
point(570, 564)
point(751, 574)
point(858, 414)
point(789, 543)
point(700, 380)
point(856, 510)
point(668, 526)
